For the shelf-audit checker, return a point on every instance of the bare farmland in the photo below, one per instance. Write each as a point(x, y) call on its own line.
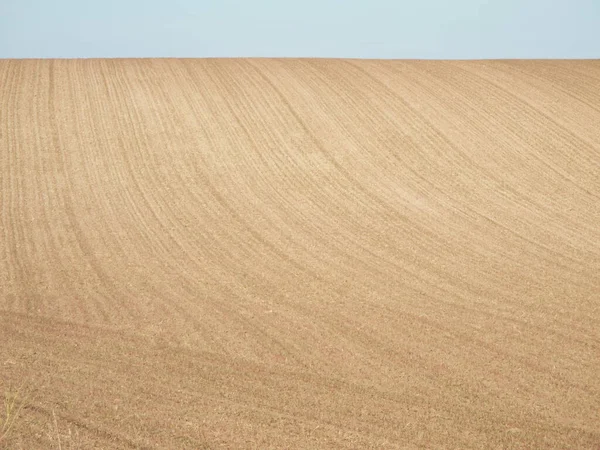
point(300, 253)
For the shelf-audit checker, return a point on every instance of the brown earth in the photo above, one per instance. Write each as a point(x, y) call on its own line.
point(300, 253)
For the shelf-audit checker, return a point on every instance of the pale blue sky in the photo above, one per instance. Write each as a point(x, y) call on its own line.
point(317, 28)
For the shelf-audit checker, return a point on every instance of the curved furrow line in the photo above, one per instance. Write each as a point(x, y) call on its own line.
point(488, 173)
point(305, 221)
point(287, 211)
point(582, 93)
point(439, 190)
point(542, 121)
point(590, 71)
point(520, 302)
point(164, 208)
point(239, 305)
point(296, 306)
point(581, 155)
point(562, 215)
point(227, 312)
point(33, 199)
point(107, 303)
point(205, 183)
point(484, 216)
point(96, 206)
point(390, 145)
point(480, 126)
point(45, 229)
point(260, 180)
point(8, 127)
point(21, 213)
point(514, 184)
point(349, 108)
point(351, 221)
point(212, 182)
point(272, 247)
point(571, 134)
point(444, 106)
point(150, 233)
point(460, 203)
point(383, 209)
point(159, 208)
point(162, 213)
point(59, 229)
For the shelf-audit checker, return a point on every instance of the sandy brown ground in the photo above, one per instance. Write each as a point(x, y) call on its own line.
point(300, 253)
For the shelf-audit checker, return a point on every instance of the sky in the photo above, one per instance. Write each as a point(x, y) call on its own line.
point(421, 29)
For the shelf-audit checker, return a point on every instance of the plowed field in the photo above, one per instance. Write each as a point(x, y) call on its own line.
point(297, 253)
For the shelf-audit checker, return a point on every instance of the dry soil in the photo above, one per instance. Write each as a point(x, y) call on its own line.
point(300, 253)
